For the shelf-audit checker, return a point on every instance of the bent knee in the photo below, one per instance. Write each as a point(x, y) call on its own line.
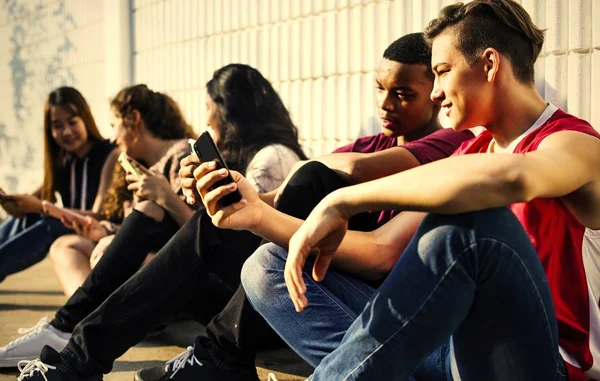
point(262, 272)
point(150, 209)
point(64, 242)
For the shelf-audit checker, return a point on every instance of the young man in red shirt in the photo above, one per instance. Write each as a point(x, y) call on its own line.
point(495, 261)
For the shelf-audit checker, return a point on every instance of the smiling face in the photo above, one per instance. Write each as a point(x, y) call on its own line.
point(402, 96)
point(68, 130)
point(464, 91)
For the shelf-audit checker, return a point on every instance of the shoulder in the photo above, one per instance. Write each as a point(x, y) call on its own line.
point(371, 143)
point(560, 127)
point(273, 155)
point(169, 163)
point(102, 149)
point(270, 166)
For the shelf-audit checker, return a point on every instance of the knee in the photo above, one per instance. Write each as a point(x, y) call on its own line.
point(311, 172)
point(61, 244)
point(151, 209)
point(262, 273)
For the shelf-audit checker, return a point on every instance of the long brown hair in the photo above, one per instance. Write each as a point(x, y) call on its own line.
point(252, 115)
point(161, 114)
point(73, 102)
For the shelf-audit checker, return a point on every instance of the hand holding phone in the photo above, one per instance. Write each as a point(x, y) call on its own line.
point(206, 150)
point(58, 212)
point(126, 163)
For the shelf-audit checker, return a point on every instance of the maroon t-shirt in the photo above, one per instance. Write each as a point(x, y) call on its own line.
point(436, 146)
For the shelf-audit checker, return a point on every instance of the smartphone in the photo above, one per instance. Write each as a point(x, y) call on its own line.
point(58, 212)
point(206, 150)
point(125, 162)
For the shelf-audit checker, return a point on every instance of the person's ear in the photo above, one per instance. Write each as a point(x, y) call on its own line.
point(491, 63)
point(134, 123)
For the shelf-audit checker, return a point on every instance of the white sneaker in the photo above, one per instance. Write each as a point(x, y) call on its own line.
point(29, 346)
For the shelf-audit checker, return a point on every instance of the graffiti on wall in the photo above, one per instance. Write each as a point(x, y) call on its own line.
point(39, 46)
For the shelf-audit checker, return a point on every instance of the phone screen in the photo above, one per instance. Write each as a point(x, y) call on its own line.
point(206, 150)
point(126, 164)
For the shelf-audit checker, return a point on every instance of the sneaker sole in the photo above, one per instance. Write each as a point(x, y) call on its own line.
point(12, 363)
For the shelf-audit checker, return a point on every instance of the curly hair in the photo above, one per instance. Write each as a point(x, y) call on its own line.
point(116, 195)
point(161, 114)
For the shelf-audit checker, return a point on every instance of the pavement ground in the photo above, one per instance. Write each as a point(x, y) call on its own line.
point(28, 296)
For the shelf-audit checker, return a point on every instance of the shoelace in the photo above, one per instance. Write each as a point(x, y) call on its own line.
point(28, 332)
point(28, 368)
point(271, 377)
point(181, 360)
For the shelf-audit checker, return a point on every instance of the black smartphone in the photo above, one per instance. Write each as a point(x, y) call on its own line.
point(206, 150)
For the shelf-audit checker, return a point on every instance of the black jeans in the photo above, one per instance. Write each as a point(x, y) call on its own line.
point(238, 331)
point(138, 236)
point(199, 269)
point(196, 271)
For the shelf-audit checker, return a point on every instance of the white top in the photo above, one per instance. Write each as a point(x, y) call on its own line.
point(542, 119)
point(270, 166)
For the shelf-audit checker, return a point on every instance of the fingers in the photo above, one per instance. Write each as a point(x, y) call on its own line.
point(321, 266)
point(207, 180)
point(212, 198)
point(69, 224)
point(221, 217)
point(203, 169)
point(187, 170)
point(298, 252)
point(192, 159)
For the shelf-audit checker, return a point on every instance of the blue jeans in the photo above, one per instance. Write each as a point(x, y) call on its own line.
point(474, 278)
point(25, 241)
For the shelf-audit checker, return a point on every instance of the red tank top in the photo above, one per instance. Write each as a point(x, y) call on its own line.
point(570, 255)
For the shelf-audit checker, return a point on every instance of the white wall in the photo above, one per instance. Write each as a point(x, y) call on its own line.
point(43, 45)
point(319, 54)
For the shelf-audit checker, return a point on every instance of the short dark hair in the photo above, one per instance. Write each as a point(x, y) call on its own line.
point(500, 24)
point(410, 49)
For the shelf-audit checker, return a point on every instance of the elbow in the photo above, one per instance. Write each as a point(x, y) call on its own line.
point(516, 184)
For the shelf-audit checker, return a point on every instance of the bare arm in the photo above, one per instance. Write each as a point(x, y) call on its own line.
point(361, 167)
point(564, 162)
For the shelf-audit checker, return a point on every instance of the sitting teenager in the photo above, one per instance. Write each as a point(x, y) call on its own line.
point(150, 128)
point(255, 134)
point(494, 264)
point(195, 251)
point(78, 164)
point(404, 82)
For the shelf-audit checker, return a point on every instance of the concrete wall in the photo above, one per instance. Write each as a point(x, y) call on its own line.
point(43, 45)
point(319, 54)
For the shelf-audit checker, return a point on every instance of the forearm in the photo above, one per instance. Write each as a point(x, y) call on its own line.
point(451, 186)
point(177, 209)
point(275, 226)
point(269, 197)
point(362, 167)
point(360, 253)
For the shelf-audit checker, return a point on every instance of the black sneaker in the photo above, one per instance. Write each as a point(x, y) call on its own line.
point(49, 367)
point(196, 365)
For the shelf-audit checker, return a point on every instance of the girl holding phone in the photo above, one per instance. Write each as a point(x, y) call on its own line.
point(198, 269)
point(78, 164)
point(151, 132)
